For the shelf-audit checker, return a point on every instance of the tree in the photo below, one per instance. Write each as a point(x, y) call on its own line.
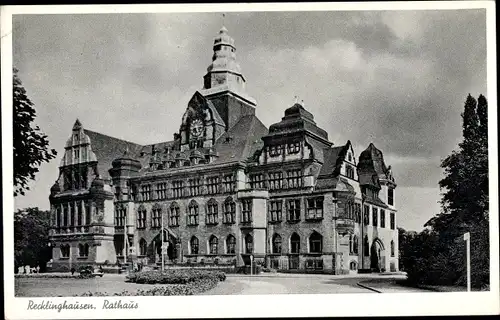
point(465, 200)
point(30, 144)
point(31, 237)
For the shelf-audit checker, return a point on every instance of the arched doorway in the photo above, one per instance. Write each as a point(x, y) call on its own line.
point(169, 240)
point(377, 255)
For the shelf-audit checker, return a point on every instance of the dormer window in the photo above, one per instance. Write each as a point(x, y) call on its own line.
point(293, 147)
point(349, 171)
point(275, 151)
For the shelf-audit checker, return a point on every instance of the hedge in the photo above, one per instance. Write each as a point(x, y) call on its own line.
point(175, 276)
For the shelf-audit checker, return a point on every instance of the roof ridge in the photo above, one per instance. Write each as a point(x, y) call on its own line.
point(106, 135)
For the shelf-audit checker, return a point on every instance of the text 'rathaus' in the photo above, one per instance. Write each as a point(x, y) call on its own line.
point(224, 190)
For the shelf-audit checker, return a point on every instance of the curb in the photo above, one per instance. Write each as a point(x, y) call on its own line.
point(368, 288)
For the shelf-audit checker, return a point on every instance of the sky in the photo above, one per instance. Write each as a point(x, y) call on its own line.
point(398, 79)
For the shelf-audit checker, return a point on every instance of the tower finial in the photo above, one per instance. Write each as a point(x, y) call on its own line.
point(296, 99)
point(302, 103)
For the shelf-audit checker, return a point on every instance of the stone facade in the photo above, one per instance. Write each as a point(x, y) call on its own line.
point(225, 190)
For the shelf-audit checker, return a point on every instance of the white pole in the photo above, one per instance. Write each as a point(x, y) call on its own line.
point(251, 264)
point(467, 243)
point(162, 240)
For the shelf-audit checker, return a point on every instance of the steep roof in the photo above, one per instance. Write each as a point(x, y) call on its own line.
point(107, 149)
point(241, 141)
point(333, 158)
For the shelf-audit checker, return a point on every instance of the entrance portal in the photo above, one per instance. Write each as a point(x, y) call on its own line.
point(168, 240)
point(377, 256)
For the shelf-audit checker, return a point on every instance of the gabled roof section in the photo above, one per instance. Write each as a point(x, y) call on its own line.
point(107, 149)
point(333, 158)
point(241, 141)
point(372, 168)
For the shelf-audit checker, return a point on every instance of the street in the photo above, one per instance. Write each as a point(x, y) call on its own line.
point(234, 284)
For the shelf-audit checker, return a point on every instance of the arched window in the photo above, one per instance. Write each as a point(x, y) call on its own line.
point(392, 248)
point(143, 247)
point(213, 243)
point(230, 244)
point(366, 246)
point(355, 244)
point(276, 243)
point(315, 243)
point(173, 218)
point(156, 216)
point(193, 213)
point(295, 243)
point(194, 245)
point(229, 211)
point(65, 251)
point(141, 217)
point(212, 216)
point(248, 243)
point(81, 250)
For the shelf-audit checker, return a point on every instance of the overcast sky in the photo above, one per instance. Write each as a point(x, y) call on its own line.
point(398, 79)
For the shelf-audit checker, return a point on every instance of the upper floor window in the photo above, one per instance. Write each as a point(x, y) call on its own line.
point(79, 213)
point(58, 217)
point(390, 196)
point(65, 215)
point(275, 151)
point(275, 180)
point(229, 211)
point(275, 210)
point(293, 147)
point(294, 178)
point(120, 216)
point(173, 218)
point(374, 217)
point(315, 208)
point(76, 154)
point(392, 248)
point(393, 220)
point(293, 210)
point(178, 188)
point(212, 215)
point(257, 181)
point(349, 171)
point(349, 210)
point(366, 215)
point(156, 217)
point(146, 192)
point(357, 212)
point(161, 190)
point(88, 212)
point(193, 214)
point(212, 185)
point(194, 187)
point(246, 210)
point(229, 183)
point(382, 218)
point(141, 218)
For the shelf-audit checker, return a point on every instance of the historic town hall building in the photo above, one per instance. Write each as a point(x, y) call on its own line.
point(224, 189)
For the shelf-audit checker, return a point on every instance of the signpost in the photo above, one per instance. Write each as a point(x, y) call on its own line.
point(467, 244)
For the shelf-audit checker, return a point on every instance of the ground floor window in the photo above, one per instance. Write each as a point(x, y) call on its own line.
point(143, 247)
point(295, 243)
point(194, 244)
point(65, 251)
point(248, 243)
point(276, 243)
point(213, 244)
point(83, 250)
point(315, 243)
point(231, 244)
point(353, 265)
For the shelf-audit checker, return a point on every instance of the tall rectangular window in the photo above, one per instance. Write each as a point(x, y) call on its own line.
point(194, 186)
point(276, 210)
point(141, 218)
point(229, 183)
point(390, 196)
point(178, 188)
point(72, 214)
point(374, 217)
point(161, 191)
point(246, 210)
point(358, 212)
point(382, 218)
point(58, 217)
point(155, 218)
point(293, 210)
point(366, 215)
point(257, 181)
point(294, 178)
point(275, 180)
point(120, 214)
point(192, 215)
point(146, 192)
point(229, 212)
point(349, 171)
point(88, 213)
point(315, 208)
point(173, 218)
point(212, 185)
point(393, 221)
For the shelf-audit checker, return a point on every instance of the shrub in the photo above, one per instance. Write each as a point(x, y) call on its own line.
point(175, 276)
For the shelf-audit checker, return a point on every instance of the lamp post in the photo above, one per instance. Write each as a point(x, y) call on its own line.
point(162, 244)
point(362, 222)
point(467, 244)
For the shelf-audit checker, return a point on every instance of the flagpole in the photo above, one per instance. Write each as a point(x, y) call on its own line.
point(467, 243)
point(162, 244)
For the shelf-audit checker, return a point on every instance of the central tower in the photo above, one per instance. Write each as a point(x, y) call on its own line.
point(224, 84)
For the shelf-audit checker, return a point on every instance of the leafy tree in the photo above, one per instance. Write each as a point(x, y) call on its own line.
point(465, 207)
point(30, 144)
point(31, 237)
